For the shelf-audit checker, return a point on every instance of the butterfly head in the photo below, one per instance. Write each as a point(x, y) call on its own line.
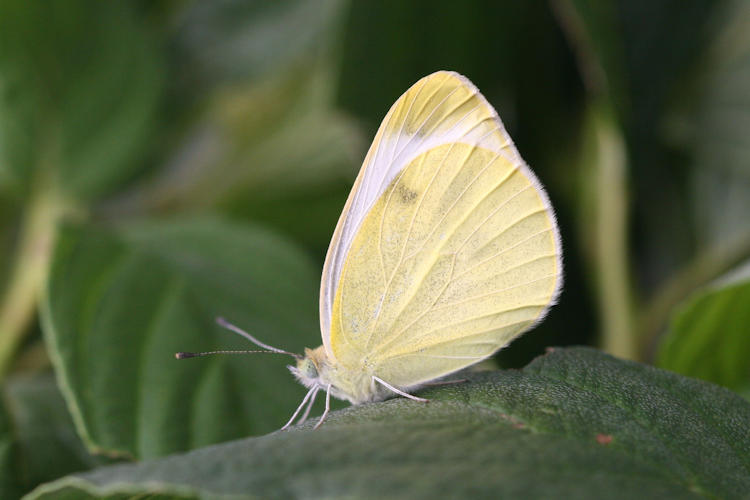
point(308, 368)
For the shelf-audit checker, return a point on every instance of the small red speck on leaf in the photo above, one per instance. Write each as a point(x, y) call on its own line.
point(603, 438)
point(549, 350)
point(514, 421)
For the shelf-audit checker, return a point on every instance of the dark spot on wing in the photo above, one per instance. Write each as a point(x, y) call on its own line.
point(405, 194)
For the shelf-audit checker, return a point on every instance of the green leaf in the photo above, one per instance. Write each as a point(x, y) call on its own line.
point(80, 84)
point(38, 442)
point(708, 336)
point(573, 424)
point(120, 304)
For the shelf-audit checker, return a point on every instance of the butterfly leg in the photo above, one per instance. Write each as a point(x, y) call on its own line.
point(397, 391)
point(328, 407)
point(309, 394)
point(309, 407)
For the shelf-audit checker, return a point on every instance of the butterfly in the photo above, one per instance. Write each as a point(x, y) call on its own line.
point(447, 249)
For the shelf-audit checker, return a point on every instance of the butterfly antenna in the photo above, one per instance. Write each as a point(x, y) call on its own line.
point(185, 355)
point(229, 326)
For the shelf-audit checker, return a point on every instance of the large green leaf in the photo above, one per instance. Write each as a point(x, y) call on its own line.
point(573, 424)
point(119, 305)
point(38, 442)
point(79, 89)
point(708, 337)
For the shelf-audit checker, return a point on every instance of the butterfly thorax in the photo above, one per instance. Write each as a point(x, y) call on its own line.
point(355, 386)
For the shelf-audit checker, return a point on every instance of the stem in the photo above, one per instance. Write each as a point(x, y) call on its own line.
point(29, 271)
point(610, 233)
point(605, 164)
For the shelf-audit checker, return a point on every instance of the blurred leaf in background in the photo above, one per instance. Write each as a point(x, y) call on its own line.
point(80, 84)
point(262, 139)
point(708, 336)
point(716, 135)
point(706, 120)
point(80, 87)
point(38, 440)
point(677, 94)
point(253, 125)
point(121, 303)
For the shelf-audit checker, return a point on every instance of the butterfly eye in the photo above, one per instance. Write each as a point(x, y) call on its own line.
point(307, 368)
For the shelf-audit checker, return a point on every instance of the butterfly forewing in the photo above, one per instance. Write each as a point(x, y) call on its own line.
point(447, 248)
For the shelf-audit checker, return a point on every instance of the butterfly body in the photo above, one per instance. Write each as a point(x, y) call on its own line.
point(353, 384)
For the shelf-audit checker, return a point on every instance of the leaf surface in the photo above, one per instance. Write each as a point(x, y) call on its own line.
point(572, 424)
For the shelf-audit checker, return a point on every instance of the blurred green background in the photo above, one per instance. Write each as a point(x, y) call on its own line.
point(162, 163)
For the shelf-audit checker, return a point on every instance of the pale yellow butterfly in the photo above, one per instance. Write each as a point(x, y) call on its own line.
point(447, 250)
